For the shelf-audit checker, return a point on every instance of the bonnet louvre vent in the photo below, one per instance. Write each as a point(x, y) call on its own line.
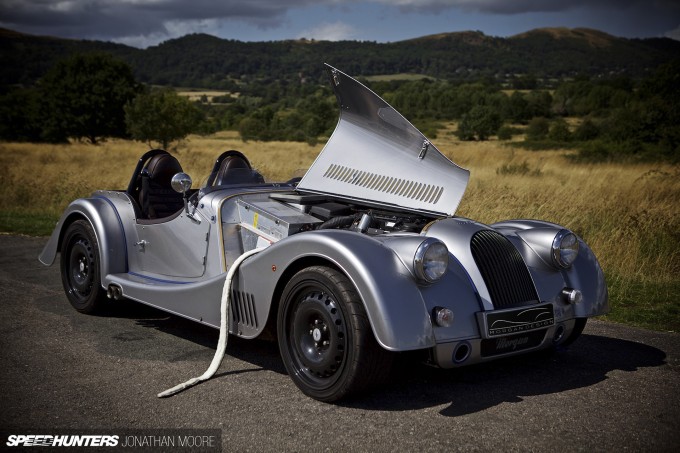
point(427, 193)
point(505, 274)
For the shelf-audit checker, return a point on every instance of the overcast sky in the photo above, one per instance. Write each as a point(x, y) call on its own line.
point(142, 23)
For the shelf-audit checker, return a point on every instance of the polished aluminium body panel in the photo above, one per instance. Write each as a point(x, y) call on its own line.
point(163, 248)
point(375, 155)
point(584, 274)
point(108, 228)
point(188, 281)
point(393, 301)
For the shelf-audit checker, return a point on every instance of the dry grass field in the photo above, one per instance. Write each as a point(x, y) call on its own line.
point(628, 213)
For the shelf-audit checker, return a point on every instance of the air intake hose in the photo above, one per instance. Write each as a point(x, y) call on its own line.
point(224, 330)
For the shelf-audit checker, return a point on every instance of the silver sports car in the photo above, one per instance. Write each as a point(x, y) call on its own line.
point(359, 259)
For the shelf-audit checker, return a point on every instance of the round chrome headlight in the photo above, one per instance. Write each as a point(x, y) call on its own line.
point(431, 260)
point(564, 248)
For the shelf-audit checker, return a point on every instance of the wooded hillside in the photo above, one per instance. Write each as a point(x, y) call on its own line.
point(206, 61)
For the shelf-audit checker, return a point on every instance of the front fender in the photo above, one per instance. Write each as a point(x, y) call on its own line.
point(393, 301)
point(108, 228)
point(584, 274)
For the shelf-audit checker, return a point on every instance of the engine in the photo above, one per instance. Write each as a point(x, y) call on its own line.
point(285, 214)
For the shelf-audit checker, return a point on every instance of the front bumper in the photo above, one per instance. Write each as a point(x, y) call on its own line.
point(478, 350)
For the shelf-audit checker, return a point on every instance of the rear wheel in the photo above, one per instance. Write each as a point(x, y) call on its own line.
point(325, 337)
point(80, 272)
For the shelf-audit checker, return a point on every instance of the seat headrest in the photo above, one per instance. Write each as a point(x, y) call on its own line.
point(229, 171)
point(231, 162)
point(162, 167)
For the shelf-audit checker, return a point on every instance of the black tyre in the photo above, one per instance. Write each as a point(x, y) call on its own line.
point(80, 272)
point(325, 337)
point(580, 324)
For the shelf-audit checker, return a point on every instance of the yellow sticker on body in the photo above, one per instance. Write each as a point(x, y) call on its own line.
point(255, 219)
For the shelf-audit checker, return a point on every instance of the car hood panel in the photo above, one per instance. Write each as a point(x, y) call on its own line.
point(377, 156)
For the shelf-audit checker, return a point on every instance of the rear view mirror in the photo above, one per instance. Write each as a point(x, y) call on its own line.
point(181, 183)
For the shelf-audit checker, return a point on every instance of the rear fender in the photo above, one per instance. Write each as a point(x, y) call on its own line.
point(393, 301)
point(100, 212)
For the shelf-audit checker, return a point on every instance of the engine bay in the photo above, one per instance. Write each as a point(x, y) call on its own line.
point(264, 221)
point(340, 214)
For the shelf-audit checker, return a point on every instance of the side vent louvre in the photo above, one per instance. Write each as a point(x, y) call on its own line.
point(503, 269)
point(414, 190)
point(243, 309)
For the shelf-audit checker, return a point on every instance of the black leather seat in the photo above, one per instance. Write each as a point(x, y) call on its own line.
point(157, 198)
point(232, 167)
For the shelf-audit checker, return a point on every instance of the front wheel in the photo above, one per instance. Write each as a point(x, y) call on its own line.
point(325, 337)
point(576, 332)
point(80, 272)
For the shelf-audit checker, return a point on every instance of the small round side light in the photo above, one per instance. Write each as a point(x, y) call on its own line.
point(443, 317)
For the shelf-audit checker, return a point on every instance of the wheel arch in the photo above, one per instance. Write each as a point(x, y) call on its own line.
point(292, 269)
point(391, 297)
point(104, 219)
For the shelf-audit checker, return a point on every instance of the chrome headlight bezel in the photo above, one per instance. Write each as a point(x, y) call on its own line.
point(565, 248)
point(431, 260)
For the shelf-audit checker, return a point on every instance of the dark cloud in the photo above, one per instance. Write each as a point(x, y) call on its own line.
point(145, 22)
point(528, 6)
point(117, 19)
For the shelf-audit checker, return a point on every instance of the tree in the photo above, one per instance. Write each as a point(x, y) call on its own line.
point(251, 128)
point(559, 131)
point(587, 130)
point(480, 122)
point(505, 133)
point(537, 129)
point(518, 108)
point(539, 103)
point(20, 118)
point(161, 116)
point(83, 97)
point(661, 110)
point(525, 82)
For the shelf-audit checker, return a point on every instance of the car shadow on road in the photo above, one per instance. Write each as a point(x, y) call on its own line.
point(479, 387)
point(262, 353)
point(413, 385)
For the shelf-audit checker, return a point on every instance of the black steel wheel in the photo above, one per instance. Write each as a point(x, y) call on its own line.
point(80, 273)
point(325, 337)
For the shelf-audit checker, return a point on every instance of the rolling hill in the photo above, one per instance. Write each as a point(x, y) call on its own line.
point(206, 61)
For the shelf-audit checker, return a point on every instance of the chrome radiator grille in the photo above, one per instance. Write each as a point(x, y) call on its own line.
point(503, 269)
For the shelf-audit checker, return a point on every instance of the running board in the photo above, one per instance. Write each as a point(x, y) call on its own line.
point(198, 301)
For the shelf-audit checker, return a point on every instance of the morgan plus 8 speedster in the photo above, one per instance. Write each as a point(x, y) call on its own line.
point(361, 258)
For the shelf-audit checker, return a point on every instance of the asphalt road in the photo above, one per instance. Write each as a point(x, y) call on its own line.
point(617, 388)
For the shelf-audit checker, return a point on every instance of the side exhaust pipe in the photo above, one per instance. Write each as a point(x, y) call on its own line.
point(462, 352)
point(559, 334)
point(114, 292)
